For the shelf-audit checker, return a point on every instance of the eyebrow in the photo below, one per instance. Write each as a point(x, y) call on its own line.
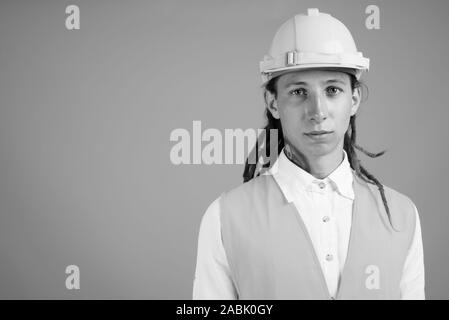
point(326, 82)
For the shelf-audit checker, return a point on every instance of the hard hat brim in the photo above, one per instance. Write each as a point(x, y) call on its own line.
point(279, 72)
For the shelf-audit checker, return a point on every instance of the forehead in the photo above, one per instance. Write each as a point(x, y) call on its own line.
point(312, 77)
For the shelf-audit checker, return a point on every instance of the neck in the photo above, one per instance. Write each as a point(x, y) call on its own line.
point(318, 166)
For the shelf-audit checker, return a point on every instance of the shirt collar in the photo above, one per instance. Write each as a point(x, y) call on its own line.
point(290, 177)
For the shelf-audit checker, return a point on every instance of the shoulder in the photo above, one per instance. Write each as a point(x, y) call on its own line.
point(250, 195)
point(249, 199)
point(395, 197)
point(247, 191)
point(210, 221)
point(238, 195)
point(391, 195)
point(402, 208)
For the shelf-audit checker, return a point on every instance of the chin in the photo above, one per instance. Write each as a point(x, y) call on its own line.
point(320, 149)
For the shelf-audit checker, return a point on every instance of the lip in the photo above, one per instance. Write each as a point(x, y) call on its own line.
point(318, 133)
point(318, 136)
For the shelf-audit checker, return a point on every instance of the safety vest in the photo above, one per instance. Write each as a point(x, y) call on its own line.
point(271, 256)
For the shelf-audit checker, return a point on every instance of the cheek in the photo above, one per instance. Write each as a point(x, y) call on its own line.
point(291, 117)
point(341, 109)
point(290, 109)
point(341, 119)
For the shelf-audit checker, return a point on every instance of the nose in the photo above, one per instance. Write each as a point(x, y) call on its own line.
point(317, 108)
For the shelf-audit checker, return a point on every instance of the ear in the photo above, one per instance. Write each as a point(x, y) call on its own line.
point(356, 98)
point(272, 104)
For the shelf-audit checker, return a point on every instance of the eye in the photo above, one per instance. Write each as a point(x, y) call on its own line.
point(333, 91)
point(298, 92)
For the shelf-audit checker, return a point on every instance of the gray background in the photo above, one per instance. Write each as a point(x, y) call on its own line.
point(86, 116)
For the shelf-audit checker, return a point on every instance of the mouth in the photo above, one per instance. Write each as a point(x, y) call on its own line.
point(317, 133)
point(319, 136)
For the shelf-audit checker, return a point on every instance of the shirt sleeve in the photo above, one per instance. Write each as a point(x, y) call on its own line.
point(212, 275)
point(413, 279)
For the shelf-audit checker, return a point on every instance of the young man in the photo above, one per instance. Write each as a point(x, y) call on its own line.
point(317, 225)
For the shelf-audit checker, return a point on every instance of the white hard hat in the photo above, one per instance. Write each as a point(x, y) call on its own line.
point(312, 40)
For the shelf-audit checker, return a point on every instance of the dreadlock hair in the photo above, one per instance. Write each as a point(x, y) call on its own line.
point(349, 145)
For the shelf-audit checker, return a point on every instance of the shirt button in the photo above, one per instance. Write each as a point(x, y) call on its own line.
point(329, 257)
point(326, 219)
point(322, 185)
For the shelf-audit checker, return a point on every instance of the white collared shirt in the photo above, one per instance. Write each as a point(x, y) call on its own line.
point(325, 206)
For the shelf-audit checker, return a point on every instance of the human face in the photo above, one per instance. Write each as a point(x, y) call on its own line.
point(314, 107)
